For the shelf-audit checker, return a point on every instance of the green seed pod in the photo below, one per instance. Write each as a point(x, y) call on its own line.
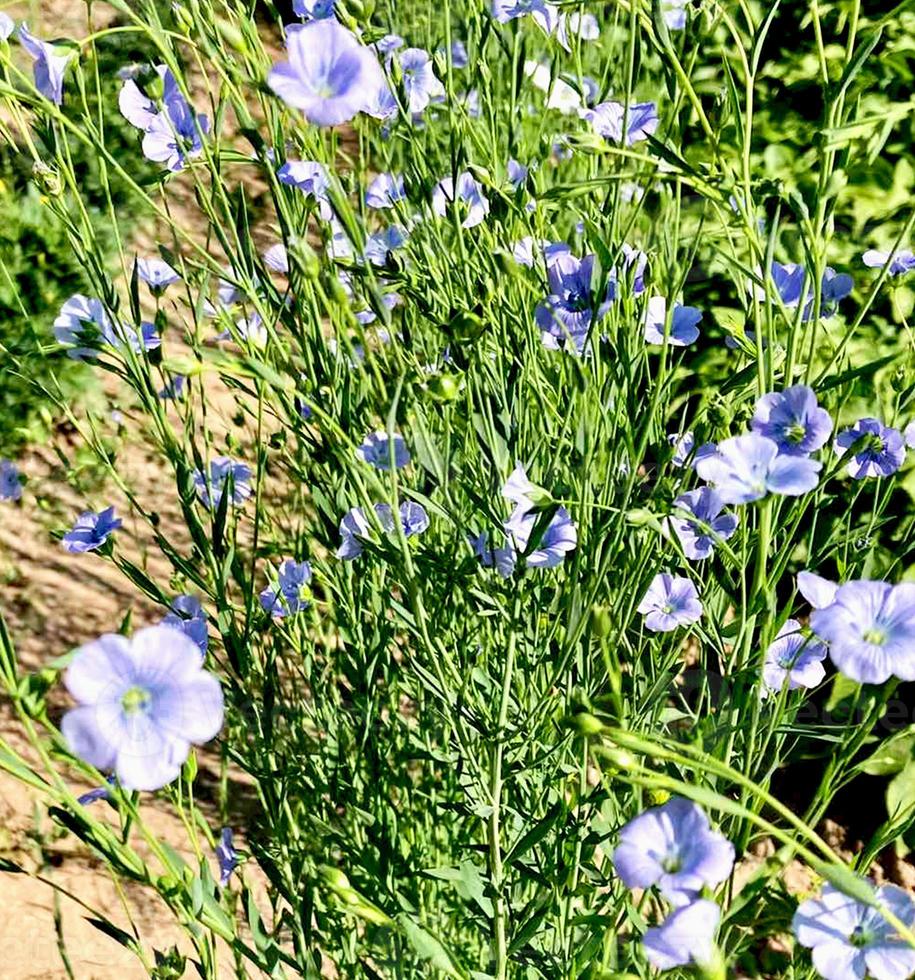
point(601, 623)
point(444, 388)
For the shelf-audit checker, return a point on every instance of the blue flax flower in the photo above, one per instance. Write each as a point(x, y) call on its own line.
point(90, 531)
point(10, 482)
point(311, 178)
point(670, 601)
point(606, 120)
point(878, 449)
point(699, 523)
point(870, 629)
point(793, 660)
point(673, 846)
point(377, 450)
point(685, 937)
point(7, 25)
point(187, 615)
point(558, 539)
point(683, 323)
point(566, 315)
point(468, 195)
point(227, 856)
point(380, 244)
point(685, 449)
point(850, 940)
point(142, 703)
point(291, 593)
point(545, 15)
point(419, 80)
point(517, 173)
point(902, 261)
point(385, 191)
point(83, 326)
point(157, 274)
point(747, 467)
point(50, 65)
point(459, 57)
point(223, 470)
point(674, 13)
point(313, 9)
point(502, 559)
point(792, 420)
point(818, 591)
point(330, 75)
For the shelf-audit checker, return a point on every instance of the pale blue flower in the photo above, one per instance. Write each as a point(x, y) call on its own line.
point(879, 450)
point(793, 420)
point(224, 473)
point(545, 15)
point(818, 591)
point(566, 316)
point(227, 856)
point(687, 936)
point(142, 703)
point(683, 329)
point(10, 481)
point(377, 449)
point(291, 593)
point(558, 539)
point(330, 75)
point(468, 196)
point(851, 940)
point(793, 660)
point(380, 244)
point(699, 524)
point(671, 601)
point(50, 65)
point(7, 25)
point(419, 79)
point(313, 9)
point(187, 615)
point(157, 274)
point(900, 263)
point(673, 846)
point(606, 120)
point(385, 191)
point(746, 468)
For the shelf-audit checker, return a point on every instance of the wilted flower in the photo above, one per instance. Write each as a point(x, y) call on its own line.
point(291, 593)
point(685, 937)
point(49, 66)
point(378, 450)
point(705, 527)
point(187, 615)
point(10, 485)
point(606, 120)
point(224, 472)
point(330, 74)
point(566, 316)
point(870, 629)
point(673, 846)
point(683, 330)
point(90, 531)
point(157, 274)
point(902, 261)
point(469, 194)
point(792, 420)
point(385, 191)
point(388, 45)
point(852, 940)
point(670, 601)
point(747, 467)
point(419, 80)
point(226, 854)
point(142, 702)
point(878, 449)
point(792, 660)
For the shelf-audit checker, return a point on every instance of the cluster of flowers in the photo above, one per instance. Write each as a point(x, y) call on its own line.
point(673, 848)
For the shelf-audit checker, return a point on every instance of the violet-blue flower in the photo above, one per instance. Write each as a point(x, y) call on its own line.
point(683, 323)
point(380, 244)
point(49, 65)
point(459, 58)
point(851, 940)
point(517, 173)
point(747, 467)
point(330, 75)
point(420, 83)
point(879, 450)
point(685, 449)
point(224, 472)
point(468, 196)
point(793, 420)
point(291, 592)
point(870, 629)
point(227, 856)
point(385, 191)
point(606, 120)
point(673, 846)
point(699, 524)
point(187, 615)
point(142, 703)
point(793, 660)
point(685, 937)
point(671, 601)
point(377, 449)
point(10, 482)
point(90, 531)
point(566, 316)
point(558, 539)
